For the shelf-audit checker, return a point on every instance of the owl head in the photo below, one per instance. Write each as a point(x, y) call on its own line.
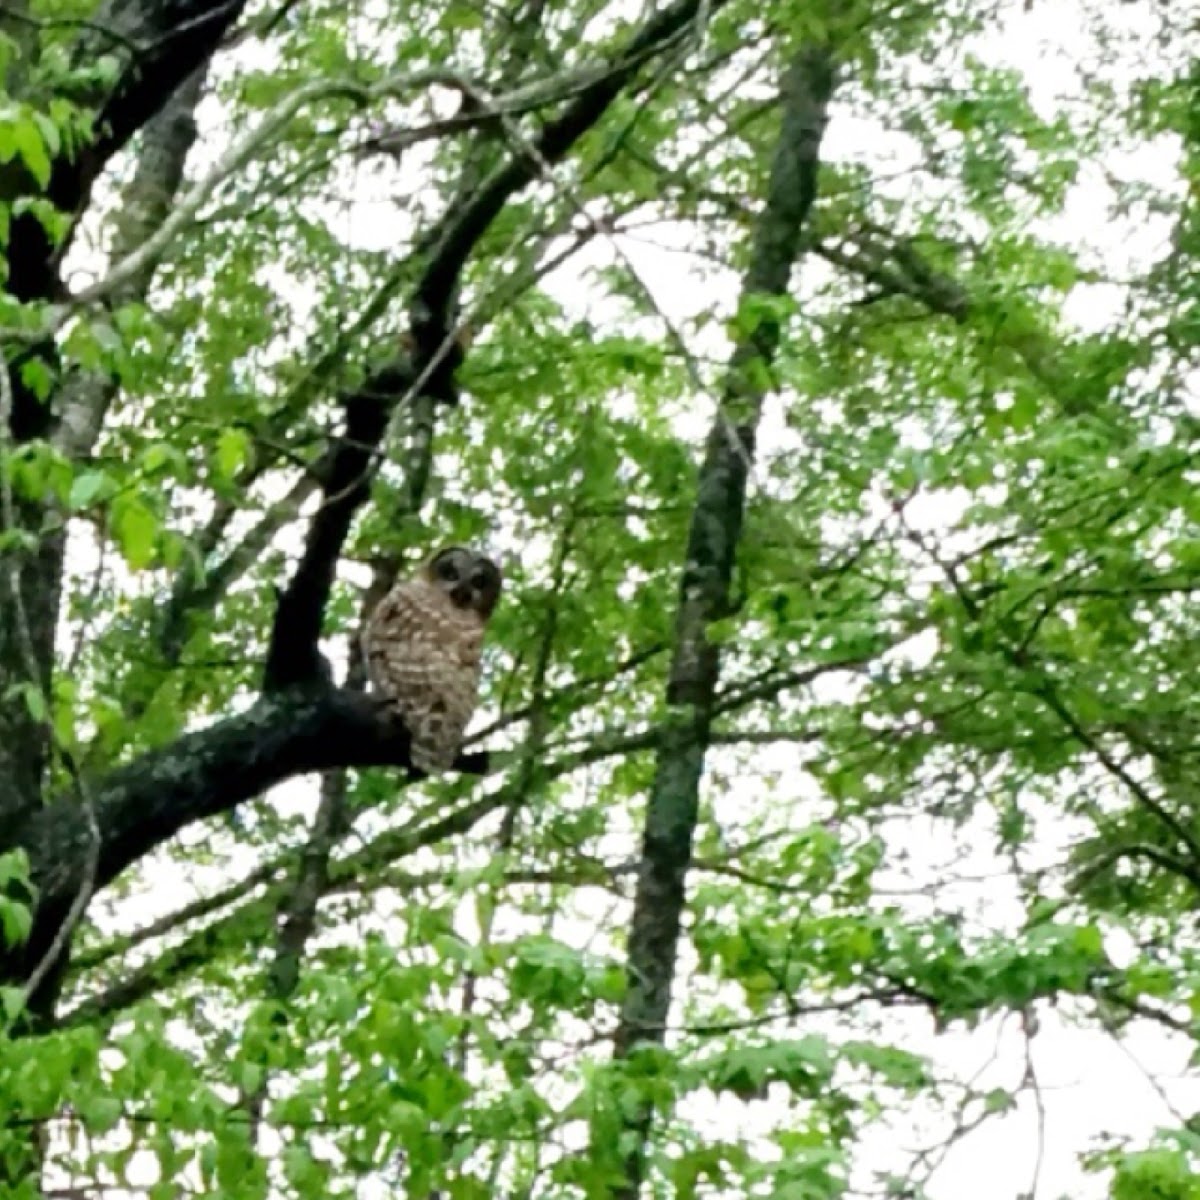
point(471, 581)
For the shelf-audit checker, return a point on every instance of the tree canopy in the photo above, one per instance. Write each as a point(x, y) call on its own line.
point(825, 377)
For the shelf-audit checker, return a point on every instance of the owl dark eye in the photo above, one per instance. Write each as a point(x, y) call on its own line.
point(479, 580)
point(447, 570)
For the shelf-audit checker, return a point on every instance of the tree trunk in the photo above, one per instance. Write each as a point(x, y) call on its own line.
point(704, 592)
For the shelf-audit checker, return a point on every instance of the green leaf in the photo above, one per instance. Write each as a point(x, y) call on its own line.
point(14, 868)
point(158, 456)
point(50, 134)
point(38, 377)
point(233, 452)
point(136, 528)
point(16, 921)
point(86, 489)
point(99, 1113)
point(28, 140)
point(12, 1003)
point(35, 701)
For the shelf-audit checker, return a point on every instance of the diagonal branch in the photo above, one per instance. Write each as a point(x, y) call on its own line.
point(199, 775)
point(144, 206)
point(1176, 826)
point(293, 657)
point(555, 141)
point(898, 269)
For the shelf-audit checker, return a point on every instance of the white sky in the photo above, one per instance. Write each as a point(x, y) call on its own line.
point(1090, 1084)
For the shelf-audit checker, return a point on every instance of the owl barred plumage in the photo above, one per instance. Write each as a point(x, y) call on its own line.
point(423, 646)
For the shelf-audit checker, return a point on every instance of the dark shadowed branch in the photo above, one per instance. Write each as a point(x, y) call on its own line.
point(552, 144)
point(293, 656)
point(200, 775)
point(436, 351)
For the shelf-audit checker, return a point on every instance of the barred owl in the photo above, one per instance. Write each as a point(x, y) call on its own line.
point(422, 647)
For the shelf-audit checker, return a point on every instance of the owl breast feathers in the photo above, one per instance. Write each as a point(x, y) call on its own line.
point(423, 646)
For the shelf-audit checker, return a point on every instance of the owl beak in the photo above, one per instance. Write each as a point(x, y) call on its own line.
point(461, 594)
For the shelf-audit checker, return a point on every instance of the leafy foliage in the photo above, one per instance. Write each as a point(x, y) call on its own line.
point(948, 793)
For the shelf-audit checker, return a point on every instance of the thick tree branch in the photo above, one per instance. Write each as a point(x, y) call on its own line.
point(255, 917)
point(556, 139)
point(293, 657)
point(200, 775)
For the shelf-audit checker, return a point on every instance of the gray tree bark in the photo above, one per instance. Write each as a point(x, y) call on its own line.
point(716, 525)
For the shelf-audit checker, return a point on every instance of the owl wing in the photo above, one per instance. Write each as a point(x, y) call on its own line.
point(426, 664)
point(397, 621)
